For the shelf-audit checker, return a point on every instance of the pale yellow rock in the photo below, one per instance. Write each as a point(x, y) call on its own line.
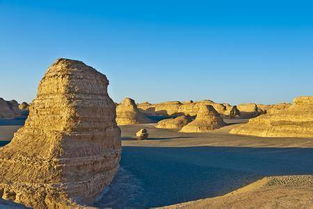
point(207, 120)
point(142, 134)
point(127, 113)
point(24, 106)
point(168, 108)
point(176, 108)
point(293, 121)
point(249, 110)
point(173, 123)
point(69, 149)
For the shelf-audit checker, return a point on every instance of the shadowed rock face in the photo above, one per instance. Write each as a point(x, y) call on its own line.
point(128, 113)
point(173, 123)
point(9, 109)
point(69, 149)
point(293, 121)
point(207, 119)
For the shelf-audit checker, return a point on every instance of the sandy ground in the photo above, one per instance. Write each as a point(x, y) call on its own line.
point(171, 168)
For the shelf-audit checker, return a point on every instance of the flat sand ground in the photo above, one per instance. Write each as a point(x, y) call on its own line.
point(172, 167)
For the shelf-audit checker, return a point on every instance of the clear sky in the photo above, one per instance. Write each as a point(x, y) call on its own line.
point(160, 50)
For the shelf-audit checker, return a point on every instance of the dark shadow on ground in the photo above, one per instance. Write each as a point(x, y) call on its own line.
point(154, 138)
point(173, 175)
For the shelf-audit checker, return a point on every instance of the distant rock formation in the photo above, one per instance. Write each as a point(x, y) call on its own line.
point(207, 120)
point(142, 134)
point(23, 106)
point(234, 112)
point(128, 113)
point(9, 109)
point(293, 121)
point(174, 123)
point(69, 149)
point(249, 110)
point(273, 108)
point(176, 108)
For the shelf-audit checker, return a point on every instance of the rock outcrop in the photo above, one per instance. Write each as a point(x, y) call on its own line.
point(249, 110)
point(234, 112)
point(142, 134)
point(69, 149)
point(176, 108)
point(127, 113)
point(24, 106)
point(293, 121)
point(174, 123)
point(207, 120)
point(9, 109)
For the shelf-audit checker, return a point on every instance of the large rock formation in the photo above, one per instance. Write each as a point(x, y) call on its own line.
point(9, 109)
point(174, 123)
point(69, 149)
point(127, 113)
point(249, 110)
point(293, 121)
point(207, 120)
point(176, 108)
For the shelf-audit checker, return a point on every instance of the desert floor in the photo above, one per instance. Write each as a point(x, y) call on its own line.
point(172, 167)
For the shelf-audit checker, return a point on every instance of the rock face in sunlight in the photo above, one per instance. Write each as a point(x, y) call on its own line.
point(9, 109)
point(176, 108)
point(69, 149)
point(142, 134)
point(127, 113)
point(282, 121)
point(249, 110)
point(174, 123)
point(207, 120)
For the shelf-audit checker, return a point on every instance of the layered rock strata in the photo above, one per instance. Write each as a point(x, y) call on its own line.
point(69, 149)
point(207, 120)
point(293, 121)
point(128, 113)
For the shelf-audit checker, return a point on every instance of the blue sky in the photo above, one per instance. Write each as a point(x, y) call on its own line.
point(227, 51)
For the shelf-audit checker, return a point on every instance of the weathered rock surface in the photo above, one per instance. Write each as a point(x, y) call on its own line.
point(69, 149)
point(174, 123)
point(127, 113)
point(142, 134)
point(9, 109)
point(176, 108)
point(207, 120)
point(249, 110)
point(293, 121)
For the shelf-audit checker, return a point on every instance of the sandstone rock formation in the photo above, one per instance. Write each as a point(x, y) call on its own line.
point(142, 134)
point(9, 109)
point(174, 123)
point(295, 121)
point(234, 112)
point(249, 110)
point(23, 106)
point(176, 108)
point(69, 149)
point(207, 120)
point(127, 113)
